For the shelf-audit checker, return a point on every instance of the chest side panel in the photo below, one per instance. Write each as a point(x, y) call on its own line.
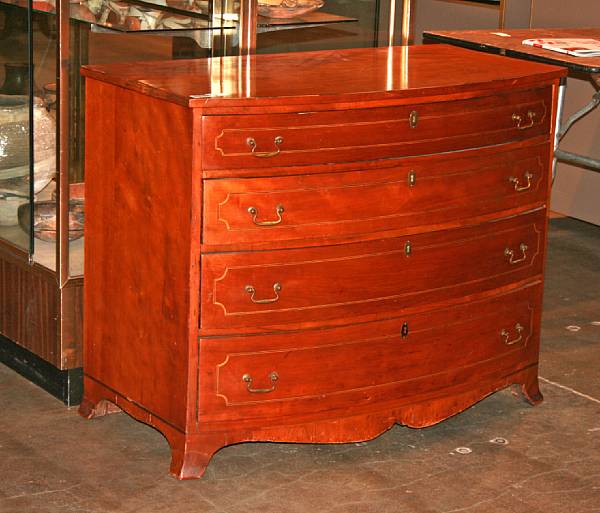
point(137, 253)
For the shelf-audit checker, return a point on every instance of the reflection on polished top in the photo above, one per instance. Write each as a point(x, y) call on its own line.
point(317, 77)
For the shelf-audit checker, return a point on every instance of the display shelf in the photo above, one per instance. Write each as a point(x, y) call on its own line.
point(192, 7)
point(44, 252)
point(484, 2)
point(489, 2)
point(312, 19)
point(16, 237)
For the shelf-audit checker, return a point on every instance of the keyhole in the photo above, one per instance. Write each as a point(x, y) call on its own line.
point(404, 331)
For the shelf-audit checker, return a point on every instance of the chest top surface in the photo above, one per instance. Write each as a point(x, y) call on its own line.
point(355, 75)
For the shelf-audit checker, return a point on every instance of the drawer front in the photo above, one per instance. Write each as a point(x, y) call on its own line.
point(438, 190)
point(258, 141)
point(291, 289)
point(393, 360)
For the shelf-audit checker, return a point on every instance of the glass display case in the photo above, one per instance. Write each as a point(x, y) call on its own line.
point(17, 108)
point(334, 24)
point(42, 125)
point(43, 43)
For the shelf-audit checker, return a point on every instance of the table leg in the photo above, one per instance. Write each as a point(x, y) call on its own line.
point(567, 156)
point(559, 109)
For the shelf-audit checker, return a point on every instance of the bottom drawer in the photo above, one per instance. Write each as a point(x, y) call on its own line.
point(357, 367)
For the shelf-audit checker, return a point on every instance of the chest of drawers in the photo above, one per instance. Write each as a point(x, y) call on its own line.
point(312, 247)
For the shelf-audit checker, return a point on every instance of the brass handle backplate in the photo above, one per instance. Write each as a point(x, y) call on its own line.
point(413, 119)
point(517, 183)
point(264, 154)
point(412, 178)
point(511, 254)
point(506, 335)
point(246, 378)
point(253, 211)
point(519, 120)
point(251, 290)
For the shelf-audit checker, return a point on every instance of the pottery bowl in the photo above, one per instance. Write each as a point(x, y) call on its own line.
point(14, 141)
point(289, 8)
point(44, 219)
point(14, 129)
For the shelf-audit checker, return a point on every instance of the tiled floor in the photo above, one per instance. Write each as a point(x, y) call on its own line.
point(500, 456)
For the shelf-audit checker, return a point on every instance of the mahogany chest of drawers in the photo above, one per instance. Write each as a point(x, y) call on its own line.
point(312, 247)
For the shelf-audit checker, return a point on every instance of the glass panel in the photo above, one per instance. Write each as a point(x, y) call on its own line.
point(15, 108)
point(335, 24)
point(45, 49)
point(90, 44)
point(101, 31)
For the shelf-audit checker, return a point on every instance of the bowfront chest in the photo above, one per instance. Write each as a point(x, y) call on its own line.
point(312, 247)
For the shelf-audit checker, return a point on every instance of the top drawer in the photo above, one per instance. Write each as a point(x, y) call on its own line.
point(267, 140)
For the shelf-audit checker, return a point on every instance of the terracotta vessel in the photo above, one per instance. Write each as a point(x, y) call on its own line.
point(289, 8)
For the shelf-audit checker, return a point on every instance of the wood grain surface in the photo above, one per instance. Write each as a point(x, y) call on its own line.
point(139, 254)
point(355, 367)
point(403, 197)
point(369, 134)
point(329, 77)
point(510, 42)
point(30, 305)
point(351, 282)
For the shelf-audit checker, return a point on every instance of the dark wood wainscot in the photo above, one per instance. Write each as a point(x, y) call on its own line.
point(312, 247)
point(41, 325)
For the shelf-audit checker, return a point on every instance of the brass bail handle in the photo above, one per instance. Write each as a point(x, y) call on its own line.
point(517, 183)
point(519, 120)
point(252, 291)
point(253, 211)
point(246, 378)
point(506, 335)
point(511, 254)
point(252, 143)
